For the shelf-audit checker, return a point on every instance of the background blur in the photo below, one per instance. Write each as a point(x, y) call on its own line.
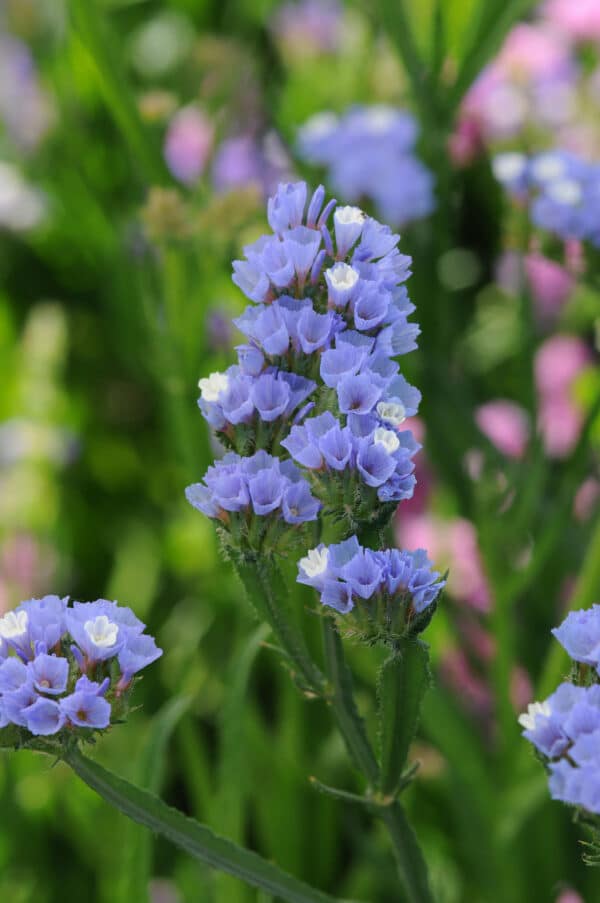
point(138, 142)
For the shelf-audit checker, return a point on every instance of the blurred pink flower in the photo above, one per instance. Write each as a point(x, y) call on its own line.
point(557, 364)
point(471, 689)
point(188, 143)
point(530, 78)
point(309, 26)
point(521, 689)
point(550, 284)
point(559, 422)
point(569, 896)
point(506, 425)
point(465, 143)
point(586, 499)
point(579, 19)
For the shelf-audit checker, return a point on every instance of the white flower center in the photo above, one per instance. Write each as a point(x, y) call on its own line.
point(315, 562)
point(387, 438)
point(101, 631)
point(349, 216)
point(342, 276)
point(507, 167)
point(13, 624)
point(534, 710)
point(565, 191)
point(211, 387)
point(548, 167)
point(392, 412)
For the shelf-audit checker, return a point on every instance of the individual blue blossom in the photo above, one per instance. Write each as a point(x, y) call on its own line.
point(49, 674)
point(579, 634)
point(52, 648)
point(85, 709)
point(387, 592)
point(369, 152)
point(44, 717)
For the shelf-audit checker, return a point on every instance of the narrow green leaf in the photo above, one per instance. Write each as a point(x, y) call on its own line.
point(411, 865)
point(403, 679)
point(228, 808)
point(92, 32)
point(136, 863)
point(398, 26)
point(192, 837)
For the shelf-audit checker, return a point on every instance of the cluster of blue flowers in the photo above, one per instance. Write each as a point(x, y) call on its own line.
point(369, 154)
point(385, 592)
point(69, 667)
point(563, 191)
point(316, 379)
point(565, 728)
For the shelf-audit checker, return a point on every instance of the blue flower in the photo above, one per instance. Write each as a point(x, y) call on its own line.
point(49, 674)
point(351, 578)
point(579, 634)
point(369, 152)
point(84, 709)
point(44, 717)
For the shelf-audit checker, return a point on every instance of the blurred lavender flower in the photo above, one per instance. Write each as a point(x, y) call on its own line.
point(369, 154)
point(245, 160)
point(558, 363)
point(308, 27)
point(25, 108)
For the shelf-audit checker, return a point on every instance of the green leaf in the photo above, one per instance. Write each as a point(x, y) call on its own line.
point(136, 865)
point(402, 682)
point(192, 837)
point(228, 807)
point(98, 43)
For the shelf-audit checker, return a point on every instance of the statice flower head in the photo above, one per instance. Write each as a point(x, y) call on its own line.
point(375, 596)
point(565, 728)
point(317, 379)
point(561, 189)
point(369, 153)
point(67, 670)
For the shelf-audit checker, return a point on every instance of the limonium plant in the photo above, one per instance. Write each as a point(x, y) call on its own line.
point(67, 670)
point(316, 458)
point(565, 728)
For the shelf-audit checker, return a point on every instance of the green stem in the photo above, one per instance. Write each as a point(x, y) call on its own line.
point(409, 858)
point(192, 837)
point(341, 700)
point(412, 869)
point(265, 588)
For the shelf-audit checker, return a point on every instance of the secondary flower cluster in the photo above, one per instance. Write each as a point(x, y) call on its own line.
point(565, 728)
point(384, 594)
point(69, 667)
point(369, 153)
point(563, 191)
point(316, 378)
